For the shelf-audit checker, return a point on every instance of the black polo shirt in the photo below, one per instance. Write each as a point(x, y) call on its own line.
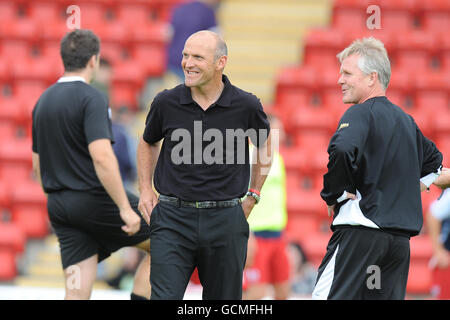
point(67, 117)
point(205, 154)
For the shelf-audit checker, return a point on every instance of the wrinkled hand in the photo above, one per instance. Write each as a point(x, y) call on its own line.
point(247, 205)
point(147, 201)
point(132, 221)
point(331, 208)
point(441, 258)
point(443, 181)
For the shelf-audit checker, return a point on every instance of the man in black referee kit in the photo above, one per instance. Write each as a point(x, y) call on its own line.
point(88, 207)
point(379, 162)
point(199, 220)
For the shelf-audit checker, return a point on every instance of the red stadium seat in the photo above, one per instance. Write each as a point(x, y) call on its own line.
point(322, 46)
point(419, 278)
point(31, 219)
point(11, 238)
point(294, 159)
point(435, 14)
point(306, 202)
point(16, 151)
point(300, 227)
point(310, 118)
point(8, 10)
point(151, 58)
point(421, 249)
point(150, 33)
point(46, 11)
point(10, 110)
point(316, 246)
point(54, 30)
point(19, 29)
point(123, 95)
point(415, 48)
point(8, 268)
point(134, 13)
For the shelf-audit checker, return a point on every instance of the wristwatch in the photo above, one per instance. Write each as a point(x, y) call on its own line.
point(254, 195)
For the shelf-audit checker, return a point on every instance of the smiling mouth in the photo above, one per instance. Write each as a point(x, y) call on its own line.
point(192, 73)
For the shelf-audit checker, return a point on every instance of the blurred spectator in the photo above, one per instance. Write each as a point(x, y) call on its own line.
point(124, 145)
point(438, 222)
point(188, 18)
point(302, 274)
point(268, 219)
point(103, 77)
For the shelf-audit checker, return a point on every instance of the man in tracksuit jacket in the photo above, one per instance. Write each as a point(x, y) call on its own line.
point(379, 162)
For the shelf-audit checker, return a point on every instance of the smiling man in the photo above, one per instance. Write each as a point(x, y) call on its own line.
point(199, 220)
point(379, 162)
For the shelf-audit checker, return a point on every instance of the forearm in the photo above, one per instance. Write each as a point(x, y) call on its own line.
point(147, 157)
point(108, 173)
point(37, 170)
point(434, 229)
point(261, 167)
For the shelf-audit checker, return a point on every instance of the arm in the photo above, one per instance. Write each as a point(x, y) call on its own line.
point(37, 169)
point(440, 254)
point(147, 157)
point(345, 151)
point(107, 169)
point(259, 171)
point(443, 181)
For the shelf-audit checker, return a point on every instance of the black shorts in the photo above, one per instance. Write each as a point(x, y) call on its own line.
point(88, 223)
point(363, 264)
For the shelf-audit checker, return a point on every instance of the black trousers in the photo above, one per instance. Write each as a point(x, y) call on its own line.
point(214, 240)
point(363, 264)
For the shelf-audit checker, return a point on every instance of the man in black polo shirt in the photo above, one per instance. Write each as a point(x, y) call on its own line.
point(201, 172)
point(89, 210)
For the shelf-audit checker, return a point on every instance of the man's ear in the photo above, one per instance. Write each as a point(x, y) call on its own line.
point(222, 62)
point(93, 61)
point(373, 77)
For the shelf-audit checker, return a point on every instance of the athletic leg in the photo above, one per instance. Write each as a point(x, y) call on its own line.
point(141, 285)
point(80, 278)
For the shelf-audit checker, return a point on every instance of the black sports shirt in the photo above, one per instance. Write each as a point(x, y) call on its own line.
point(67, 117)
point(379, 153)
point(204, 155)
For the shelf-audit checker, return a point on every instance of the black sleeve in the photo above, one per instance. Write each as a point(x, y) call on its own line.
point(153, 127)
point(259, 122)
point(429, 155)
point(345, 151)
point(97, 118)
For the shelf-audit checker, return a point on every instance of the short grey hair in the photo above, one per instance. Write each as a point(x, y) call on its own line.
point(373, 58)
point(221, 49)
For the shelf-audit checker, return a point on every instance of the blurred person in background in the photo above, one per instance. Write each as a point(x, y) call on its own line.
point(302, 273)
point(188, 18)
point(89, 209)
point(438, 223)
point(270, 268)
point(125, 150)
point(124, 145)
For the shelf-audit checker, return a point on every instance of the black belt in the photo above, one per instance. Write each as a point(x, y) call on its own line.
point(199, 204)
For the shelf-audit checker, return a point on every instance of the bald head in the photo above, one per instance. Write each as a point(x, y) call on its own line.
point(209, 37)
